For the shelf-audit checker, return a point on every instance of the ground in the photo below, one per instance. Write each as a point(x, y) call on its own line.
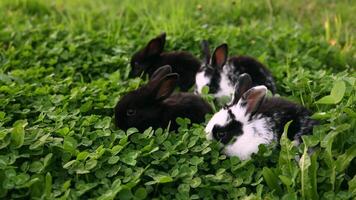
point(64, 65)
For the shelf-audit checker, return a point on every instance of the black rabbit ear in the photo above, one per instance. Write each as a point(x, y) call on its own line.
point(156, 45)
point(219, 56)
point(161, 72)
point(166, 86)
point(252, 99)
point(205, 51)
point(244, 83)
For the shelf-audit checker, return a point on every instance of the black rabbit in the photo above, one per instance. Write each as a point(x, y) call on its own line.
point(151, 57)
point(252, 119)
point(154, 105)
point(221, 74)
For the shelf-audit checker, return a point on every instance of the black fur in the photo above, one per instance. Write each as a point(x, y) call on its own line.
point(243, 83)
point(152, 112)
point(226, 133)
point(260, 75)
point(151, 57)
point(282, 111)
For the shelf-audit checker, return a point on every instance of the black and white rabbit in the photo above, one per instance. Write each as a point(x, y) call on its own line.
point(252, 119)
point(220, 73)
point(154, 105)
point(151, 57)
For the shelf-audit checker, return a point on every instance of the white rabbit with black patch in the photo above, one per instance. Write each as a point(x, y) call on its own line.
point(220, 74)
point(252, 119)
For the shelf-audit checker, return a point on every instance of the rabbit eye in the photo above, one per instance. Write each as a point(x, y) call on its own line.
point(130, 112)
point(221, 134)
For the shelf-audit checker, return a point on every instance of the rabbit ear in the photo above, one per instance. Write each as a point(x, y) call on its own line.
point(205, 51)
point(160, 73)
point(156, 45)
point(252, 99)
point(219, 56)
point(166, 86)
point(244, 83)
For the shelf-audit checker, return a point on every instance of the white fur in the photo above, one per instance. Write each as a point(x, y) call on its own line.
point(226, 87)
point(201, 80)
point(219, 118)
point(256, 131)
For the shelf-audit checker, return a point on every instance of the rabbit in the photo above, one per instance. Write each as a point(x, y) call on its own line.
point(154, 105)
point(151, 57)
point(220, 73)
point(251, 119)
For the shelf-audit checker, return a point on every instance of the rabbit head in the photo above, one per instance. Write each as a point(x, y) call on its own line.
point(210, 71)
point(142, 108)
point(144, 59)
point(237, 126)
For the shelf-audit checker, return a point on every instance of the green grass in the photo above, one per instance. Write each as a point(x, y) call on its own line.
point(63, 63)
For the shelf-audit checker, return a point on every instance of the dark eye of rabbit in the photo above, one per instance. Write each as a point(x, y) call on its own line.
point(130, 112)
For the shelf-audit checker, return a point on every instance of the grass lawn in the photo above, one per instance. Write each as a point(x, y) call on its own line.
point(64, 64)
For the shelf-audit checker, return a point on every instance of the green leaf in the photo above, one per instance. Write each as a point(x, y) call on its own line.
point(90, 164)
point(321, 115)
point(47, 159)
point(141, 193)
point(113, 159)
point(286, 180)
point(39, 142)
point(130, 158)
point(2, 115)
point(205, 90)
point(345, 159)
point(195, 182)
point(18, 133)
point(313, 175)
point(36, 166)
point(196, 160)
point(290, 196)
point(48, 185)
point(162, 178)
point(86, 106)
point(304, 164)
point(63, 131)
point(336, 94)
point(68, 164)
point(350, 112)
point(66, 185)
point(103, 124)
point(329, 138)
point(82, 155)
point(131, 131)
point(310, 140)
point(352, 186)
point(116, 149)
point(21, 179)
point(70, 144)
point(271, 179)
